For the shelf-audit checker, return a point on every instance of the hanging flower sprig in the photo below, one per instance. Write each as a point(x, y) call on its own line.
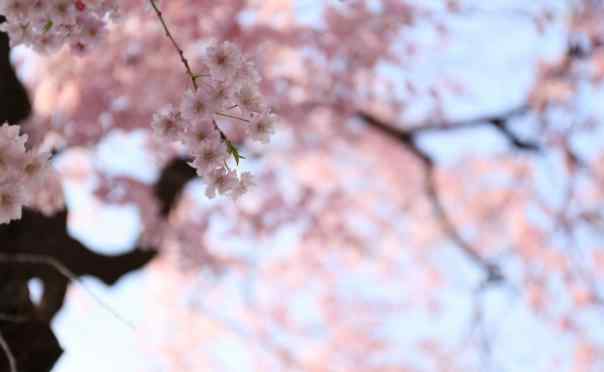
point(228, 89)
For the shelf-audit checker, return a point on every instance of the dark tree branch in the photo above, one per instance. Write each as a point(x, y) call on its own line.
point(171, 182)
point(498, 122)
point(471, 123)
point(36, 234)
point(408, 140)
point(520, 144)
point(15, 105)
point(492, 271)
point(33, 344)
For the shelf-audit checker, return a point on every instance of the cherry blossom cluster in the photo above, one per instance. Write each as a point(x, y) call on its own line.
point(47, 25)
point(23, 173)
point(226, 90)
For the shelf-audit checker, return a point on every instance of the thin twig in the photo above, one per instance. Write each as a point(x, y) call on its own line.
point(12, 362)
point(408, 139)
point(498, 121)
point(487, 119)
point(181, 53)
point(187, 66)
point(67, 273)
point(232, 117)
point(446, 222)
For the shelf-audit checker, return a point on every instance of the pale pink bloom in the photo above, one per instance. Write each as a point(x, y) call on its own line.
point(61, 11)
point(168, 124)
point(249, 99)
point(11, 163)
point(16, 9)
point(79, 47)
point(42, 23)
point(201, 131)
point(12, 152)
point(11, 202)
point(220, 180)
point(223, 60)
point(89, 29)
point(47, 42)
point(48, 25)
point(197, 105)
point(209, 156)
point(39, 7)
point(22, 173)
point(10, 134)
point(109, 7)
point(222, 93)
point(246, 181)
point(248, 73)
point(47, 196)
point(19, 32)
point(262, 127)
point(35, 168)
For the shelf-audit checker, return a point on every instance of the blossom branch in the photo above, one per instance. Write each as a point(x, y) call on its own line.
point(187, 66)
point(231, 82)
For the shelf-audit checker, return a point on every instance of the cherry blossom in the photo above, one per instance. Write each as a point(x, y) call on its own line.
point(225, 86)
point(23, 173)
point(168, 123)
point(213, 98)
point(12, 198)
point(262, 127)
point(48, 25)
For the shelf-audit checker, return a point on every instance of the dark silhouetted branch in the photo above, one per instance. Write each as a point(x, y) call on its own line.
point(33, 345)
point(498, 122)
point(408, 140)
point(36, 235)
point(171, 182)
point(15, 105)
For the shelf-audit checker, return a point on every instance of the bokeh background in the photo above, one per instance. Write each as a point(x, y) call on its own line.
point(432, 200)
